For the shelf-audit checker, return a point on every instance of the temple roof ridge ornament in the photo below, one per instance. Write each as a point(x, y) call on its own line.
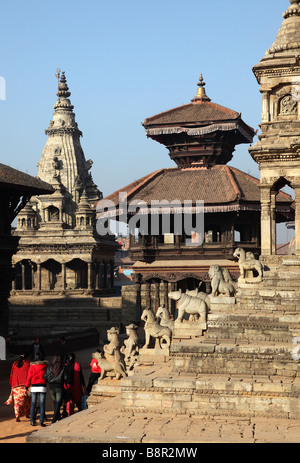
point(201, 93)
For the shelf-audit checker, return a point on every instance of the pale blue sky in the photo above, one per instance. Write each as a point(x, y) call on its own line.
point(126, 61)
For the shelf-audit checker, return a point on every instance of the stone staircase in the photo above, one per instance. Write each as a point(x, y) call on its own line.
point(242, 366)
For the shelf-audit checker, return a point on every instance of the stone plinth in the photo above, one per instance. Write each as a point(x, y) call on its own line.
point(153, 355)
point(188, 330)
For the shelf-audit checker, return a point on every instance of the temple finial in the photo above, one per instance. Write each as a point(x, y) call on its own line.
point(201, 94)
point(63, 89)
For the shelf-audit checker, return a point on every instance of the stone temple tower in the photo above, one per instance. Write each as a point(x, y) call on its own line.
point(60, 253)
point(63, 163)
point(278, 150)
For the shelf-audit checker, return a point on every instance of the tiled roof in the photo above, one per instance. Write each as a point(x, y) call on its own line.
point(220, 184)
point(15, 179)
point(203, 111)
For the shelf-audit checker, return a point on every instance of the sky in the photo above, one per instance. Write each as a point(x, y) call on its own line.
point(125, 61)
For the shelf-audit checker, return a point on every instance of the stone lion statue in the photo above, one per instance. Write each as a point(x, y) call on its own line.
point(106, 366)
point(218, 283)
point(131, 346)
point(111, 359)
point(248, 262)
point(162, 334)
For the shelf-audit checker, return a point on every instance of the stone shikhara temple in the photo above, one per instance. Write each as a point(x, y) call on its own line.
point(60, 253)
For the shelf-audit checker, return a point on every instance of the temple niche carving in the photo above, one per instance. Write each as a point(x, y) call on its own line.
point(59, 248)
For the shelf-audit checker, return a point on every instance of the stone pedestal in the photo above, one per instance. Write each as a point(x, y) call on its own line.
point(188, 330)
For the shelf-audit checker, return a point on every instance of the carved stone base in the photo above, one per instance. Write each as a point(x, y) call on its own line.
point(188, 330)
point(222, 300)
point(153, 355)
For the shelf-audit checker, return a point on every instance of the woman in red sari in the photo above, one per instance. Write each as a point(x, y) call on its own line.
point(18, 395)
point(74, 385)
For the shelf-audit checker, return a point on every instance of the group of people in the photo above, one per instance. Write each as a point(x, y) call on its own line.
point(29, 380)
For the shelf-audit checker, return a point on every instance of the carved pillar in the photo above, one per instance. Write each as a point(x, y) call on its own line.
point(265, 117)
point(166, 299)
point(297, 220)
point(13, 282)
point(90, 275)
point(266, 239)
point(138, 300)
point(157, 302)
point(23, 275)
point(63, 275)
point(273, 221)
point(173, 303)
point(39, 277)
point(148, 296)
point(97, 273)
point(32, 275)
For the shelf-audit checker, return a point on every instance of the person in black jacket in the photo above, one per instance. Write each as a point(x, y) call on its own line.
point(36, 347)
point(55, 378)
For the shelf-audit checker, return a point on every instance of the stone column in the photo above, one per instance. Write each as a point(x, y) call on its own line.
point(23, 275)
point(157, 299)
point(63, 275)
point(148, 294)
point(138, 300)
point(166, 299)
point(90, 273)
point(97, 273)
point(265, 117)
point(13, 282)
point(39, 277)
point(273, 222)
point(297, 219)
point(266, 239)
point(32, 275)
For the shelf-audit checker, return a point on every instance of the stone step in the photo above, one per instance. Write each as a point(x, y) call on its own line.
point(231, 356)
point(213, 395)
point(254, 327)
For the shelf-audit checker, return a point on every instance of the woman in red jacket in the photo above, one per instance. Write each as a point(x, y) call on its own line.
point(36, 380)
point(18, 395)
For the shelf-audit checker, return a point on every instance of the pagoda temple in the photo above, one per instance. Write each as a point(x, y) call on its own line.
point(200, 138)
point(60, 253)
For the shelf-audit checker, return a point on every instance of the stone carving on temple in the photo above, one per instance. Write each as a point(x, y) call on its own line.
point(218, 284)
point(111, 360)
point(164, 316)
point(248, 263)
point(153, 329)
point(131, 347)
point(189, 305)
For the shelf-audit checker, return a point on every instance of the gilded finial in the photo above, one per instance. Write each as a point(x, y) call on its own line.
point(201, 94)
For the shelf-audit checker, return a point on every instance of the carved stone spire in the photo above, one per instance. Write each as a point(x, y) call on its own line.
point(63, 163)
point(201, 94)
point(288, 37)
